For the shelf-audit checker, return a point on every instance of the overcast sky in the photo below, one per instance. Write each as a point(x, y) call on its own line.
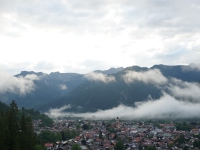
point(82, 36)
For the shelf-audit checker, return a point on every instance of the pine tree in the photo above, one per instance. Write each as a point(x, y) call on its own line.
point(30, 133)
point(13, 126)
point(16, 132)
point(27, 136)
point(23, 133)
point(4, 138)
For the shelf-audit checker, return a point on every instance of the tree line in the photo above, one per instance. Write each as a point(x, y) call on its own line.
point(16, 129)
point(17, 133)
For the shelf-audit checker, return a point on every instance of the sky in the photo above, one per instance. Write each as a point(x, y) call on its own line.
point(83, 36)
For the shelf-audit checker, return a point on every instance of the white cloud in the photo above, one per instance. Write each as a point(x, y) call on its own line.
point(3, 76)
point(31, 77)
point(134, 32)
point(185, 90)
point(182, 103)
point(165, 107)
point(151, 76)
point(57, 112)
point(192, 67)
point(63, 87)
point(18, 85)
point(94, 76)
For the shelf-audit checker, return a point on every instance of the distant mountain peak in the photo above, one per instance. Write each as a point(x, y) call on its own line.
point(24, 73)
point(112, 70)
point(57, 72)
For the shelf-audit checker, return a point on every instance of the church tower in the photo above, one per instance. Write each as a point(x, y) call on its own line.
point(117, 122)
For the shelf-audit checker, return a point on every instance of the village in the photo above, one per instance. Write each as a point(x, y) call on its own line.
point(103, 135)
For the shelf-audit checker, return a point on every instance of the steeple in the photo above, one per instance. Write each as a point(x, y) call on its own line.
point(117, 122)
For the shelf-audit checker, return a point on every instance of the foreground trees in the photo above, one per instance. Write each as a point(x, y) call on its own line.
point(119, 145)
point(48, 136)
point(76, 147)
point(16, 130)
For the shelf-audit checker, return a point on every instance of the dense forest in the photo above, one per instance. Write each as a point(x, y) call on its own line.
point(17, 128)
point(17, 132)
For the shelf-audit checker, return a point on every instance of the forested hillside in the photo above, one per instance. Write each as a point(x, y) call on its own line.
point(17, 128)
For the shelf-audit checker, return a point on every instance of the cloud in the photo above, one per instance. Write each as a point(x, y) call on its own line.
point(18, 85)
point(57, 112)
point(180, 99)
point(104, 16)
point(100, 77)
point(126, 28)
point(192, 67)
point(3, 76)
point(151, 76)
point(48, 66)
point(165, 107)
point(63, 87)
point(31, 77)
point(184, 90)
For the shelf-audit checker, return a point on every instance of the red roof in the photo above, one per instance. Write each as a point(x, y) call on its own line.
point(48, 144)
point(77, 138)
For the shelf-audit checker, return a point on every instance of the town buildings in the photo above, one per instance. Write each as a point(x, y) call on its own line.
point(103, 135)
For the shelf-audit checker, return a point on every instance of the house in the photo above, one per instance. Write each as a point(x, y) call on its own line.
point(49, 146)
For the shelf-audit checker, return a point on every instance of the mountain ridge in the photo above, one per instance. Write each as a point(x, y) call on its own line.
point(101, 89)
point(92, 96)
point(47, 88)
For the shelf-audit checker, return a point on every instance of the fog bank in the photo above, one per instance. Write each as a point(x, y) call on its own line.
point(165, 107)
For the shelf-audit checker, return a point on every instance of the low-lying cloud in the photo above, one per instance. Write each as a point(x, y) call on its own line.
point(94, 76)
point(151, 76)
point(180, 99)
point(18, 85)
point(165, 107)
point(191, 67)
point(31, 77)
point(185, 90)
point(63, 87)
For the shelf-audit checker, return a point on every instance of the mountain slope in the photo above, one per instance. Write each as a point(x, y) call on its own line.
point(45, 88)
point(93, 95)
point(102, 89)
point(110, 71)
point(185, 73)
point(48, 87)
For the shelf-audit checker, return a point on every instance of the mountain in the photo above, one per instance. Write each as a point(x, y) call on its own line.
point(101, 89)
point(47, 88)
point(184, 73)
point(94, 95)
point(110, 71)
